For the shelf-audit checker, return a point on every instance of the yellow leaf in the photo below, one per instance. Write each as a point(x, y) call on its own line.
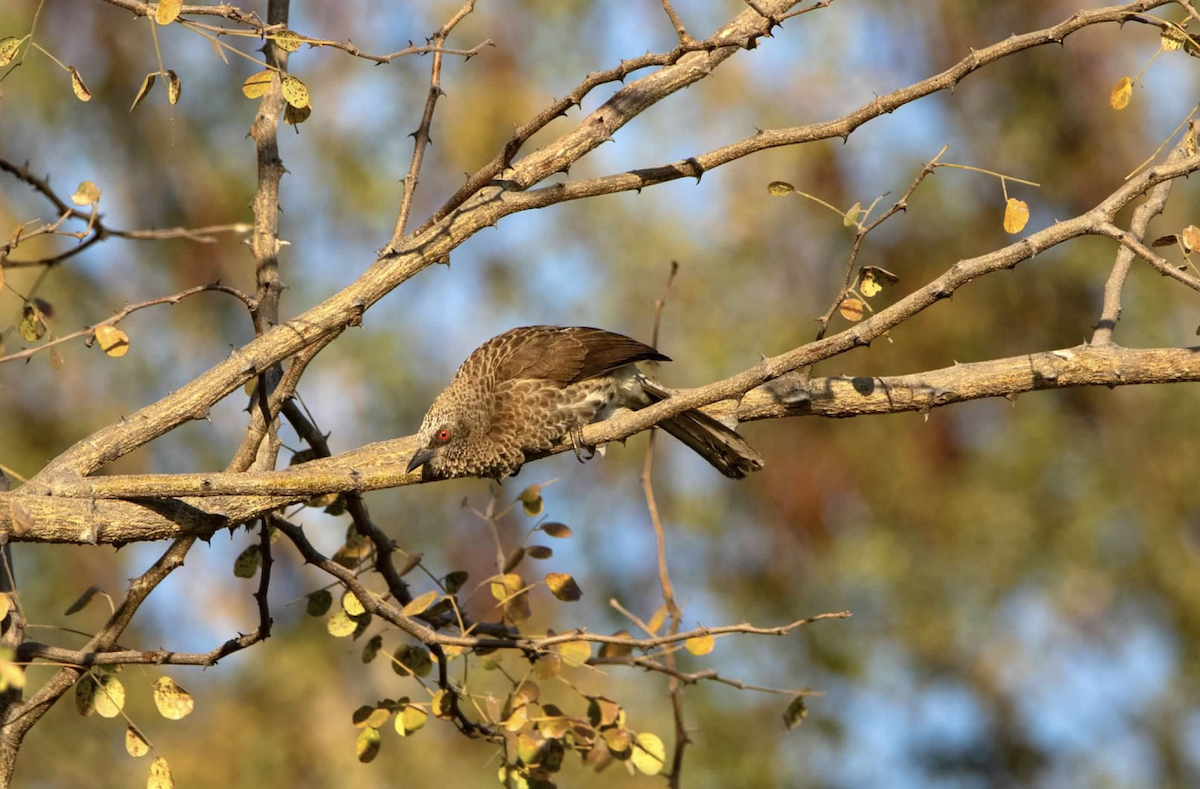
point(295, 92)
point(531, 500)
point(8, 49)
point(167, 11)
point(412, 720)
point(366, 747)
point(547, 666)
point(113, 341)
point(648, 753)
point(575, 653)
point(340, 624)
point(656, 621)
point(147, 84)
point(287, 41)
point(780, 189)
point(174, 87)
point(419, 604)
point(160, 775)
point(1191, 238)
point(700, 645)
point(135, 744)
point(506, 585)
point(617, 650)
point(110, 696)
point(1121, 94)
point(86, 193)
point(564, 587)
point(618, 740)
point(1016, 215)
point(352, 605)
point(33, 325)
point(518, 719)
point(81, 91)
point(257, 84)
point(1171, 39)
point(440, 705)
point(11, 675)
point(851, 309)
point(173, 702)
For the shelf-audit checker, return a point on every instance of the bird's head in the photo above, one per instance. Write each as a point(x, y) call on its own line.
point(444, 441)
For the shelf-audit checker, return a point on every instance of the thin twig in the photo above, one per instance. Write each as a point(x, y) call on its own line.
point(90, 331)
point(674, 685)
point(421, 135)
point(677, 23)
point(1114, 286)
point(861, 234)
point(649, 664)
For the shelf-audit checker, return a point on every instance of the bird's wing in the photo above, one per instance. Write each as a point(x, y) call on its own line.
point(569, 354)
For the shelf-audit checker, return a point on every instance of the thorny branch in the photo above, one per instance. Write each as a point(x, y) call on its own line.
point(425, 248)
point(860, 235)
point(421, 137)
point(258, 29)
point(32, 650)
point(96, 231)
point(89, 332)
point(769, 389)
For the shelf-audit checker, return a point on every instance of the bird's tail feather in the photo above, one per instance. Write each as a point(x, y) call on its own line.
point(723, 448)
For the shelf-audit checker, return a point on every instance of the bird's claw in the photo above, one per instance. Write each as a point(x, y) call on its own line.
point(578, 446)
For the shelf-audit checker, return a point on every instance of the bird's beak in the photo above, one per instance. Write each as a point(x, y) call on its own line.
point(422, 457)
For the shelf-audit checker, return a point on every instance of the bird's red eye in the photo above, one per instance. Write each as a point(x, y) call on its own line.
point(443, 435)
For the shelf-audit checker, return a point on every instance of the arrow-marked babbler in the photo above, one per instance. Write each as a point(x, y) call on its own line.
point(532, 387)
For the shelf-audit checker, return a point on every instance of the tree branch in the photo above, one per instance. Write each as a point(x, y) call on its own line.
point(193, 400)
point(79, 513)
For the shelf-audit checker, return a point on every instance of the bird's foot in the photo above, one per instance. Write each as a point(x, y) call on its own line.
point(578, 446)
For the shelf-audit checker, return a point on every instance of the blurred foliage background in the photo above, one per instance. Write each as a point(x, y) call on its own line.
point(1024, 576)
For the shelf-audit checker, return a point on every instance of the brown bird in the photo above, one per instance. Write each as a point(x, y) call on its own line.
point(535, 386)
